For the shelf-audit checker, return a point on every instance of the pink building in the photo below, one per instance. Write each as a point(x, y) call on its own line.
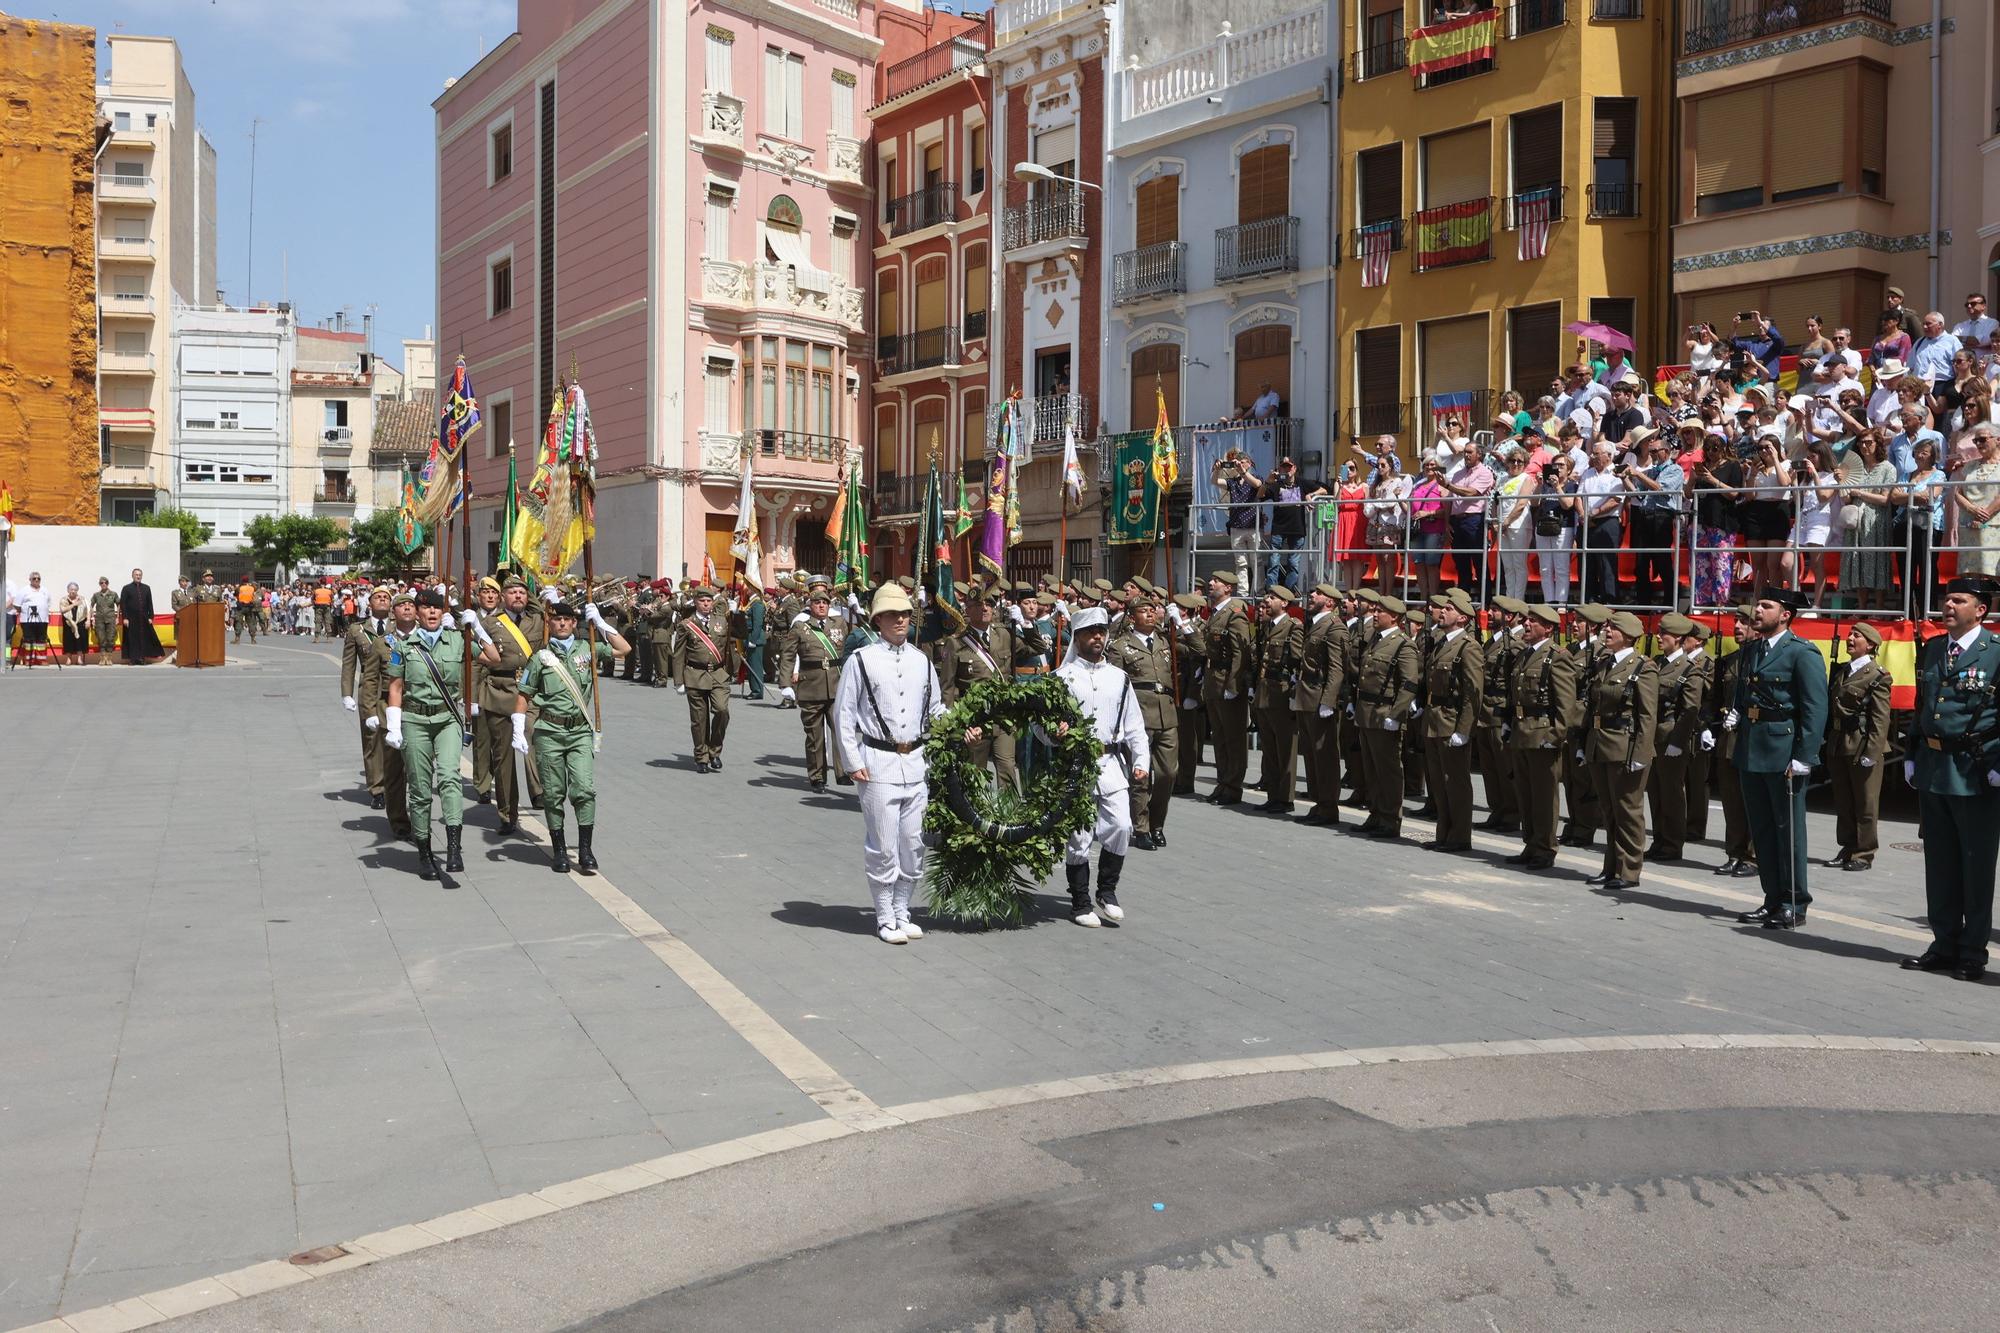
point(675, 200)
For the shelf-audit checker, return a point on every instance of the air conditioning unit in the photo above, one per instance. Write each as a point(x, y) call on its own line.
point(342, 436)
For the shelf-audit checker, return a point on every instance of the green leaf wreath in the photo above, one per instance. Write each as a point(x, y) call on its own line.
point(990, 845)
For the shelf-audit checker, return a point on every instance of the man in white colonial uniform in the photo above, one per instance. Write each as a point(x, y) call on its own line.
point(1105, 694)
point(888, 694)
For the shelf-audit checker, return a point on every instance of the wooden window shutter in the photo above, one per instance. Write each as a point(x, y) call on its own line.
point(1719, 307)
point(1808, 124)
point(1159, 211)
point(1263, 353)
point(1380, 173)
point(1534, 348)
point(1156, 366)
point(1788, 304)
point(1874, 124)
point(1537, 137)
point(1615, 128)
point(1264, 183)
point(1457, 167)
point(1729, 136)
point(1378, 360)
point(1454, 355)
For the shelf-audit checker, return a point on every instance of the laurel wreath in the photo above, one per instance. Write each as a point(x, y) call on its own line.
point(992, 846)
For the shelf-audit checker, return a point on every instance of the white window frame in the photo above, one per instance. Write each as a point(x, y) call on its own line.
point(496, 258)
point(841, 108)
point(711, 45)
point(493, 126)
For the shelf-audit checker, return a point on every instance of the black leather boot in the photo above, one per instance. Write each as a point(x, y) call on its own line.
point(558, 853)
point(427, 866)
point(1079, 894)
point(1110, 869)
point(454, 856)
point(586, 864)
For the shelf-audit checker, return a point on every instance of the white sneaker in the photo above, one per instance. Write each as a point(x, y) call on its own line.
point(1087, 919)
point(892, 935)
point(911, 930)
point(1112, 911)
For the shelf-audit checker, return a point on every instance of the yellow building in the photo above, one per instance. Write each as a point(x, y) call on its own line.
point(1458, 135)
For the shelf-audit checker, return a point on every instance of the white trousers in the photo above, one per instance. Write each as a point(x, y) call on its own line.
point(1113, 831)
point(892, 846)
point(1514, 547)
point(1555, 565)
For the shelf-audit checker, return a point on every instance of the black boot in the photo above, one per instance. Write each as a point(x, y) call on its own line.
point(454, 857)
point(558, 853)
point(586, 864)
point(1079, 894)
point(427, 866)
point(1109, 870)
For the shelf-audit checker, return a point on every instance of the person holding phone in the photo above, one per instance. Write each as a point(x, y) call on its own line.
point(1757, 337)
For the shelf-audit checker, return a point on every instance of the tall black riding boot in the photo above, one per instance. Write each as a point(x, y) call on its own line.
point(586, 864)
point(558, 853)
point(1079, 894)
point(1109, 869)
point(427, 866)
point(454, 856)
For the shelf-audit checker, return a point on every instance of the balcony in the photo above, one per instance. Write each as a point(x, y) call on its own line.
point(843, 159)
point(1151, 270)
point(1452, 234)
point(129, 249)
point(1373, 61)
point(1042, 421)
point(117, 187)
point(1719, 23)
point(847, 9)
point(899, 354)
point(1370, 419)
point(1253, 249)
point(1615, 201)
point(1532, 16)
point(111, 362)
point(1015, 19)
point(334, 497)
point(1470, 62)
point(1514, 207)
point(125, 305)
point(134, 135)
point(721, 121)
point(798, 446)
point(932, 206)
point(946, 57)
point(1358, 237)
point(1227, 62)
point(975, 325)
point(1054, 217)
point(900, 497)
point(120, 420)
point(777, 287)
point(336, 440)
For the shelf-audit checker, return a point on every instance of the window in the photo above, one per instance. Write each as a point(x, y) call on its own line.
point(826, 405)
point(125, 510)
point(885, 442)
point(1824, 132)
point(121, 120)
point(715, 220)
point(198, 472)
point(843, 105)
point(1158, 212)
point(500, 279)
point(844, 228)
point(972, 442)
point(715, 395)
point(231, 420)
point(1378, 381)
point(1264, 356)
point(1451, 358)
point(1378, 173)
point(720, 43)
point(1156, 370)
point(975, 292)
point(1457, 166)
point(784, 94)
point(198, 418)
point(1620, 313)
point(1614, 151)
point(499, 432)
point(336, 413)
point(975, 156)
point(933, 164)
point(129, 171)
point(1382, 47)
point(888, 322)
point(1534, 348)
point(1536, 140)
point(933, 284)
point(502, 149)
point(888, 187)
point(1264, 183)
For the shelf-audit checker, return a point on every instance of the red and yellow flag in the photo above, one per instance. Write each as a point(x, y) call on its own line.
point(1460, 41)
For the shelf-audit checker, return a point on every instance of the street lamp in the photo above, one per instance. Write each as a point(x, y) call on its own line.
point(1034, 173)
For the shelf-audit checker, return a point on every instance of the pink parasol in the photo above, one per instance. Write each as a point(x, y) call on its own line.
point(1601, 333)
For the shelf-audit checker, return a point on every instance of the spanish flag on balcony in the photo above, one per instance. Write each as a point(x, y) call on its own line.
point(1454, 233)
point(1460, 41)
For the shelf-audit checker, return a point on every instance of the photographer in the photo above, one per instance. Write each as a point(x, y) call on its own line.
point(1285, 496)
point(1241, 485)
point(1818, 483)
point(1758, 338)
point(1656, 508)
point(1714, 473)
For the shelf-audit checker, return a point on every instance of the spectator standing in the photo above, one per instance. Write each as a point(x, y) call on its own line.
point(1624, 417)
point(1867, 525)
point(1267, 403)
point(1603, 525)
point(1430, 527)
point(1716, 474)
point(1819, 495)
point(1979, 507)
point(1556, 508)
point(1767, 517)
point(1235, 478)
point(1758, 337)
point(1905, 316)
point(1931, 357)
point(1923, 493)
point(1817, 344)
point(1282, 492)
point(1351, 531)
point(1471, 481)
point(1978, 327)
point(1513, 516)
point(1657, 481)
point(1703, 350)
point(1388, 523)
point(1912, 432)
point(1893, 341)
point(75, 614)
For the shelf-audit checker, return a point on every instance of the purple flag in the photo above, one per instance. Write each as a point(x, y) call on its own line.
point(993, 532)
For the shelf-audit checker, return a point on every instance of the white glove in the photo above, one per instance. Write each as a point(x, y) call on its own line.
point(371, 723)
point(1173, 613)
point(468, 618)
point(1506, 734)
point(1229, 694)
point(1548, 745)
point(520, 741)
point(1324, 711)
point(788, 695)
point(1062, 608)
point(1190, 704)
point(1673, 752)
point(1707, 739)
point(1416, 710)
point(680, 689)
point(551, 596)
point(1910, 771)
point(1634, 766)
point(1014, 614)
point(393, 735)
point(347, 702)
point(1455, 741)
point(1350, 710)
point(1730, 719)
point(1993, 777)
point(594, 616)
point(1391, 724)
point(1579, 754)
point(1867, 761)
point(475, 710)
point(1796, 769)
point(479, 630)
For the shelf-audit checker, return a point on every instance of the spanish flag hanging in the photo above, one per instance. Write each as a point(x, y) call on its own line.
point(1456, 42)
point(1454, 234)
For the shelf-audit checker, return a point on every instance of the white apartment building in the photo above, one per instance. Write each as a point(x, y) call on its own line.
point(231, 430)
point(334, 382)
point(155, 249)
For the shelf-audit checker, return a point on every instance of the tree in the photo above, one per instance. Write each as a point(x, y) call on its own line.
point(288, 540)
point(374, 544)
point(194, 532)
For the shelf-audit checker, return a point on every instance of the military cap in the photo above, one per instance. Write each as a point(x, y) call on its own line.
point(906, 583)
point(1699, 632)
point(1188, 601)
point(513, 581)
point(1023, 587)
point(1140, 599)
point(1745, 611)
point(1091, 617)
point(431, 597)
point(1545, 613)
point(1327, 590)
point(1971, 586)
point(1594, 614)
point(700, 590)
point(1675, 623)
point(488, 581)
point(208, 573)
point(1282, 593)
point(1393, 605)
point(1513, 606)
point(1870, 633)
point(1104, 585)
point(820, 581)
point(1145, 585)
point(564, 609)
point(961, 587)
point(1226, 577)
point(1627, 624)
point(1790, 598)
point(405, 595)
point(1416, 615)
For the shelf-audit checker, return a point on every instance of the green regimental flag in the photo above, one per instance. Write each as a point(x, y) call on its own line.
point(1135, 493)
point(934, 552)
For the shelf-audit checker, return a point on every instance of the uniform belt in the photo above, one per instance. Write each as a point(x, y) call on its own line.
point(430, 710)
point(560, 719)
point(1759, 714)
point(1369, 698)
point(1030, 670)
point(1149, 687)
point(894, 747)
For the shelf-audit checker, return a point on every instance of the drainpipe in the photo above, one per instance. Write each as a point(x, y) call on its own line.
point(1937, 151)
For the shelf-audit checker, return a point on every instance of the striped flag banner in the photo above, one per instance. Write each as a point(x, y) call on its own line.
point(1533, 211)
point(1454, 233)
point(1461, 41)
point(1377, 239)
point(1458, 405)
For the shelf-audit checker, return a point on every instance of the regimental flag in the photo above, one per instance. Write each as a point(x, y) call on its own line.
point(1134, 510)
point(409, 531)
point(1072, 469)
point(510, 524)
point(1454, 233)
point(966, 522)
point(558, 512)
point(744, 543)
point(993, 541)
point(942, 616)
point(851, 541)
point(1378, 239)
point(1455, 43)
point(439, 489)
point(1534, 210)
point(1166, 459)
point(1014, 444)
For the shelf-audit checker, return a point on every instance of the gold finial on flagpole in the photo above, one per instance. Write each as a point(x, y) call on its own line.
point(934, 446)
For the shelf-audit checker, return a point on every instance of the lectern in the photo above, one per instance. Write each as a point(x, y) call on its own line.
point(198, 635)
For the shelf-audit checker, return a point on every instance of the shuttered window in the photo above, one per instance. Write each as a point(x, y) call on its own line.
point(886, 305)
point(1158, 211)
point(1787, 304)
point(1055, 147)
point(932, 286)
point(1534, 348)
point(1264, 356)
point(975, 280)
point(1457, 167)
point(1453, 354)
point(1378, 379)
point(1157, 366)
point(1614, 147)
point(1729, 135)
point(1264, 183)
point(1874, 128)
point(1852, 298)
point(1537, 144)
point(1807, 120)
point(1379, 175)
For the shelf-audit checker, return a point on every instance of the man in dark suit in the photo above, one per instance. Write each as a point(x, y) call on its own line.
point(1780, 716)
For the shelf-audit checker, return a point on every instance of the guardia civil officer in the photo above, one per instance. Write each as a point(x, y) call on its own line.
point(1780, 716)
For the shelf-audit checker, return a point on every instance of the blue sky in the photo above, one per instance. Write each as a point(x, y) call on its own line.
point(345, 201)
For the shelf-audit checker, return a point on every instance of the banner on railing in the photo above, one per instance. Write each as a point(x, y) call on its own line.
point(1135, 496)
point(1377, 240)
point(1533, 211)
point(1258, 443)
point(1454, 233)
point(1461, 41)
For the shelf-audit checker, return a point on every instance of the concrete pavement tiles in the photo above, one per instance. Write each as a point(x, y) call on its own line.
point(238, 1025)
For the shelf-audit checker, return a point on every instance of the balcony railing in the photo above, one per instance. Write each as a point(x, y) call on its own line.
point(722, 118)
point(975, 325)
point(1252, 249)
point(1512, 206)
point(1369, 419)
point(114, 304)
point(113, 362)
point(1717, 23)
point(1152, 270)
point(902, 353)
point(1530, 16)
point(334, 495)
point(1615, 201)
point(1227, 62)
point(798, 445)
point(932, 206)
point(1014, 19)
point(900, 496)
point(1373, 61)
point(133, 134)
point(1355, 236)
point(124, 186)
point(126, 418)
point(1617, 9)
point(1056, 214)
point(1471, 68)
point(1042, 421)
point(1289, 437)
point(893, 81)
point(124, 247)
point(1452, 234)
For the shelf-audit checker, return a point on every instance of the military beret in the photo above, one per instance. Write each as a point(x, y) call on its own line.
point(513, 581)
point(1226, 577)
point(1368, 595)
point(1461, 601)
point(1675, 623)
point(1627, 624)
point(1140, 599)
point(1393, 605)
point(1327, 590)
point(1416, 615)
point(1023, 587)
point(701, 590)
point(488, 581)
point(1513, 606)
point(563, 609)
point(1593, 613)
point(1870, 633)
point(1282, 593)
point(431, 597)
point(1700, 632)
point(1545, 613)
point(1188, 601)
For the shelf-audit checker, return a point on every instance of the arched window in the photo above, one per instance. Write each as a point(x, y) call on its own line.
point(1156, 367)
point(1264, 356)
point(785, 214)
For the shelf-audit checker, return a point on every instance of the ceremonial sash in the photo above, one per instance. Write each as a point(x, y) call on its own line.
point(979, 650)
point(575, 693)
point(520, 639)
point(832, 648)
point(695, 627)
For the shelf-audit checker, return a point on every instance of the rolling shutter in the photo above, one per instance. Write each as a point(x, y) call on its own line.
point(1378, 378)
point(1264, 183)
point(1457, 167)
point(1454, 354)
point(1874, 127)
point(1537, 137)
point(1534, 348)
point(1156, 366)
point(1614, 130)
point(1808, 116)
point(1379, 174)
point(1729, 139)
point(1159, 211)
point(1789, 303)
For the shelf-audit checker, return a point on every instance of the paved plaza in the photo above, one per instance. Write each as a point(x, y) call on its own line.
point(239, 1028)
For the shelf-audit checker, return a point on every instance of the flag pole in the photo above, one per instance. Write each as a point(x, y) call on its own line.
point(1165, 534)
point(465, 582)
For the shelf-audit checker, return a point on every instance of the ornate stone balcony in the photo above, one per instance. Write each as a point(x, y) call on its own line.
point(721, 120)
point(776, 287)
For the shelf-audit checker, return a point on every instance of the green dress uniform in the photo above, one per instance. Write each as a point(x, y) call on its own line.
point(1225, 689)
point(1684, 681)
point(659, 620)
point(495, 690)
point(1317, 702)
point(978, 655)
point(1781, 708)
point(1496, 761)
point(432, 719)
point(1454, 686)
point(702, 662)
point(1624, 708)
point(1277, 649)
point(1542, 700)
point(1736, 844)
point(1954, 752)
point(1857, 739)
point(790, 607)
point(104, 618)
point(750, 626)
point(1385, 692)
point(363, 656)
point(563, 747)
point(810, 669)
point(1148, 663)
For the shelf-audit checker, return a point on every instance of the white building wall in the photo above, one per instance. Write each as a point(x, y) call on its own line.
point(230, 432)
